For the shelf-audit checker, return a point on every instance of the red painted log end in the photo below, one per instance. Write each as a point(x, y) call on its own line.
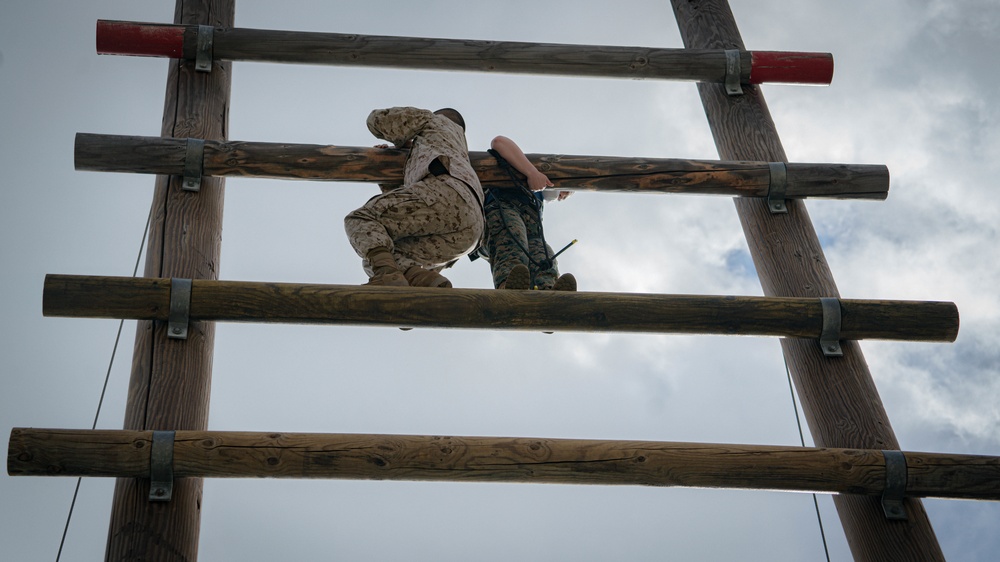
point(140, 39)
point(791, 68)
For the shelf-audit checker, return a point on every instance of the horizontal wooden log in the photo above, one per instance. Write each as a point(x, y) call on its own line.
point(156, 155)
point(261, 45)
point(234, 301)
point(230, 454)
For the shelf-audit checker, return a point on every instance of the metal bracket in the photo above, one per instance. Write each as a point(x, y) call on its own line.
point(161, 466)
point(776, 187)
point(733, 72)
point(194, 164)
point(895, 485)
point(829, 339)
point(180, 309)
point(203, 52)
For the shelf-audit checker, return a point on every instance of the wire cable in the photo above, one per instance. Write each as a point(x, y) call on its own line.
point(104, 389)
point(802, 439)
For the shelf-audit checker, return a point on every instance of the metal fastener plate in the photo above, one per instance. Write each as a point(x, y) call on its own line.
point(161, 466)
point(777, 186)
point(733, 71)
point(895, 485)
point(180, 309)
point(194, 164)
point(204, 48)
point(829, 339)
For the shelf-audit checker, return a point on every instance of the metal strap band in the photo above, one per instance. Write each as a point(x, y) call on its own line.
point(180, 309)
point(203, 52)
point(161, 466)
point(194, 164)
point(733, 72)
point(776, 187)
point(895, 485)
point(829, 339)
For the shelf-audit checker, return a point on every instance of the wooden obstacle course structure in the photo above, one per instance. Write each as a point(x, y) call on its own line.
point(170, 382)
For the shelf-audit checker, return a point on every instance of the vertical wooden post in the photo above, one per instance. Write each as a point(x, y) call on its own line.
point(838, 395)
point(171, 379)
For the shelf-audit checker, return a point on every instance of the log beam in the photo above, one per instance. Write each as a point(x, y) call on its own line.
point(230, 454)
point(171, 380)
point(156, 155)
point(297, 47)
point(236, 301)
point(838, 395)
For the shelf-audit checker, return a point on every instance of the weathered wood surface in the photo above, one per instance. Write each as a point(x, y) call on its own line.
point(838, 395)
point(236, 301)
point(230, 454)
point(170, 382)
point(298, 47)
point(156, 155)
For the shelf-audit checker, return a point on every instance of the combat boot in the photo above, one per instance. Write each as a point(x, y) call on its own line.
point(565, 282)
point(384, 269)
point(519, 278)
point(420, 277)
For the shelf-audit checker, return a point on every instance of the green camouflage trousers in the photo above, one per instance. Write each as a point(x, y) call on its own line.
point(513, 226)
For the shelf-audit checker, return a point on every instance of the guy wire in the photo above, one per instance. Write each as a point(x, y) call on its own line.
point(104, 389)
point(802, 440)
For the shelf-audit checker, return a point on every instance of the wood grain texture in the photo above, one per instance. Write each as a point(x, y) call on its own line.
point(170, 382)
point(838, 396)
point(298, 47)
point(470, 55)
point(243, 301)
point(229, 454)
point(156, 155)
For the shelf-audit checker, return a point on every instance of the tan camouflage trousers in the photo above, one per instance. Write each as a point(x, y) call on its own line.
point(429, 223)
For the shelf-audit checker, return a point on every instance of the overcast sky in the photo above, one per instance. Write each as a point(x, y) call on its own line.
point(914, 89)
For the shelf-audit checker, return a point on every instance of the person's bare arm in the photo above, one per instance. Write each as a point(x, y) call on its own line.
point(513, 154)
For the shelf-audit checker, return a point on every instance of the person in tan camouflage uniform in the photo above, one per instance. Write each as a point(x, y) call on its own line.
point(408, 234)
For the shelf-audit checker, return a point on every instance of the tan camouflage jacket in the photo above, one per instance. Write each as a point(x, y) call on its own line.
point(434, 136)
